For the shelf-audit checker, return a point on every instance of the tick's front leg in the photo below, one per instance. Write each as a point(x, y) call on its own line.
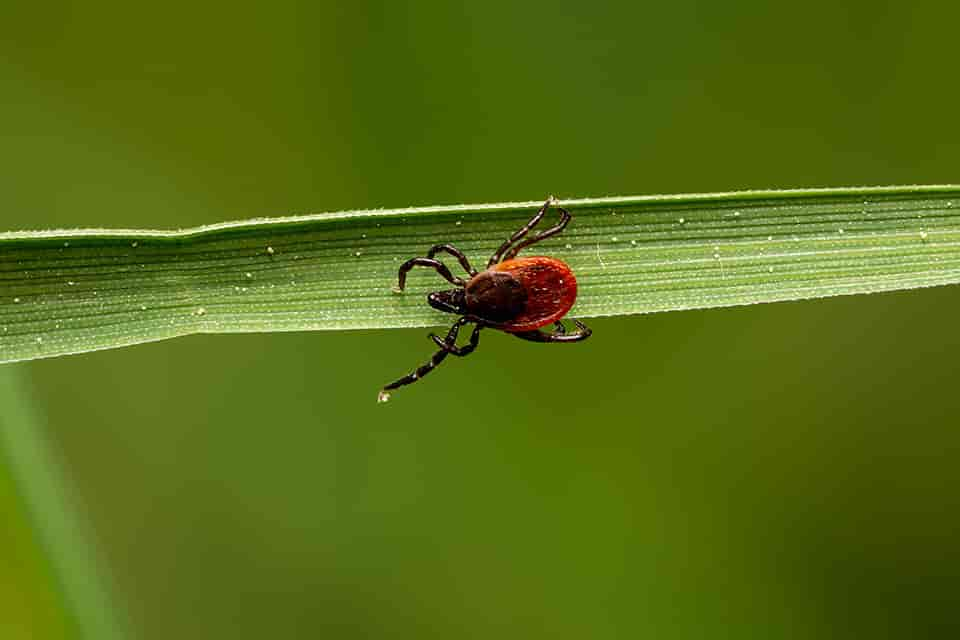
point(426, 262)
point(450, 344)
point(456, 253)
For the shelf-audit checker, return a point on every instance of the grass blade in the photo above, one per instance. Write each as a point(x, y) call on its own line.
point(67, 292)
point(60, 530)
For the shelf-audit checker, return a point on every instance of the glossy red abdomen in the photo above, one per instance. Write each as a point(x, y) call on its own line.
point(550, 286)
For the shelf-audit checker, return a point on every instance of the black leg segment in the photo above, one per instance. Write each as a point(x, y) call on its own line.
point(560, 335)
point(450, 344)
point(426, 262)
point(522, 231)
point(565, 218)
point(447, 346)
point(456, 253)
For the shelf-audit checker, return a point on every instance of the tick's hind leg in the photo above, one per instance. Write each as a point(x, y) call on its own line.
point(560, 335)
point(437, 358)
point(426, 262)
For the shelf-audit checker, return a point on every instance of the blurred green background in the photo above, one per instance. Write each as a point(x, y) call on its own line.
point(779, 471)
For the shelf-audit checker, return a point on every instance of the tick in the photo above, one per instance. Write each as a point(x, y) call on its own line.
point(515, 295)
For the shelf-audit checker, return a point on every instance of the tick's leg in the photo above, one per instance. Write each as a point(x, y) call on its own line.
point(565, 218)
point(522, 231)
point(426, 262)
point(456, 253)
point(559, 328)
point(582, 333)
point(451, 339)
point(423, 370)
point(450, 344)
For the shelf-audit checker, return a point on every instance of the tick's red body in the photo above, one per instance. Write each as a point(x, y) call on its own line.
point(550, 287)
point(515, 295)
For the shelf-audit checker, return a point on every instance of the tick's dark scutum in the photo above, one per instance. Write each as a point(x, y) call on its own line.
point(495, 296)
